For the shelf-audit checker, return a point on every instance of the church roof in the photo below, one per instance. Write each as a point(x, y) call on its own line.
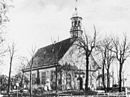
point(48, 55)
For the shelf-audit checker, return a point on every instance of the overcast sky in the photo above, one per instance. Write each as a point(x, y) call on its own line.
point(38, 22)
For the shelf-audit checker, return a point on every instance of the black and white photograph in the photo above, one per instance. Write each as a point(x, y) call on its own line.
point(64, 48)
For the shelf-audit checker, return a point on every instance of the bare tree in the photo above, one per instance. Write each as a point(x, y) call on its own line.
point(87, 45)
point(31, 66)
point(11, 50)
point(56, 55)
point(3, 19)
point(107, 59)
point(102, 49)
point(20, 71)
point(122, 51)
point(3, 12)
point(26, 62)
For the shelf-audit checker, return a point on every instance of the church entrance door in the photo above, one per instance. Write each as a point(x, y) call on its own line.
point(80, 82)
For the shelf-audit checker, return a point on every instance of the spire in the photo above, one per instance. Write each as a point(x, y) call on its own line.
point(76, 8)
point(76, 30)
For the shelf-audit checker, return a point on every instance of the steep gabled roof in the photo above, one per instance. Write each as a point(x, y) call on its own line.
point(48, 55)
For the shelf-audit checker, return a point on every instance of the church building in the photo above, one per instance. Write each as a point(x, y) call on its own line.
point(60, 65)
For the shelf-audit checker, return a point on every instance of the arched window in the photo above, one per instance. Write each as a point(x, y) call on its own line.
point(68, 81)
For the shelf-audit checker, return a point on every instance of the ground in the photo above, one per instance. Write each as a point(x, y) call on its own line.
point(68, 93)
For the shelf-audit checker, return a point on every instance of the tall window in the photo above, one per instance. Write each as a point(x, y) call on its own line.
point(68, 81)
point(33, 78)
point(53, 76)
point(43, 77)
point(53, 80)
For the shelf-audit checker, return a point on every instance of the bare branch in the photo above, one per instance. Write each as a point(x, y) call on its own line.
point(122, 53)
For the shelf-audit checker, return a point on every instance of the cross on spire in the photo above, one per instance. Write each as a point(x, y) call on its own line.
point(76, 7)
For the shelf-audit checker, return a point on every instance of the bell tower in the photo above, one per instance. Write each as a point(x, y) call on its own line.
point(76, 28)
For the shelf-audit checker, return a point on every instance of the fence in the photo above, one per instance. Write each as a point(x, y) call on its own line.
point(118, 94)
point(121, 94)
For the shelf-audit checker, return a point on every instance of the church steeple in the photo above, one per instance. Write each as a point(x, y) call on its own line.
point(76, 29)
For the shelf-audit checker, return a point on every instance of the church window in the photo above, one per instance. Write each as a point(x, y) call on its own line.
point(43, 77)
point(53, 80)
point(53, 77)
point(68, 81)
point(33, 78)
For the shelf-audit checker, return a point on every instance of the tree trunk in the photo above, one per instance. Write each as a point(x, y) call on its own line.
point(120, 78)
point(103, 76)
point(108, 80)
point(9, 76)
point(87, 73)
point(21, 81)
point(31, 66)
point(56, 80)
point(31, 83)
